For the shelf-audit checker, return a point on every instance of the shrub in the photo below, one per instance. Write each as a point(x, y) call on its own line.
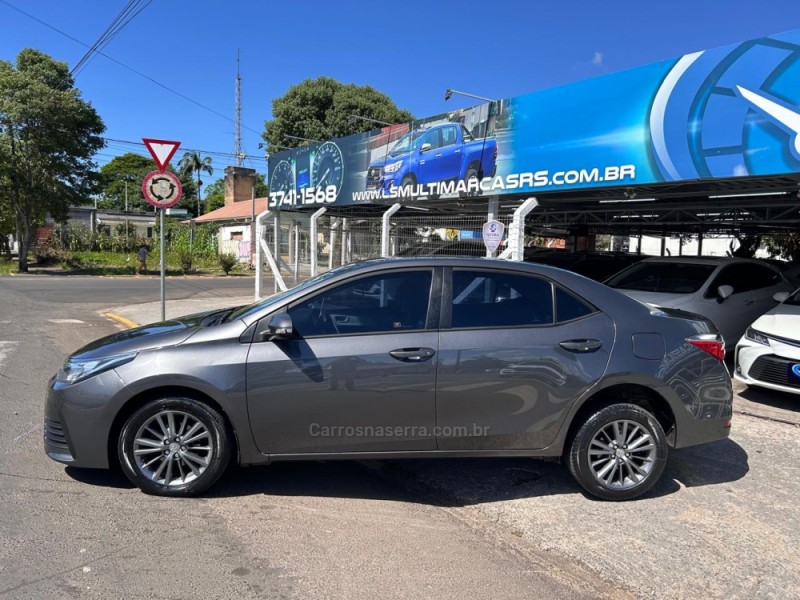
point(227, 262)
point(186, 259)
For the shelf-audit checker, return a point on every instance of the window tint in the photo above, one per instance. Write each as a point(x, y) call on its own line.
point(568, 307)
point(667, 277)
point(382, 303)
point(743, 277)
point(482, 299)
point(432, 138)
point(449, 136)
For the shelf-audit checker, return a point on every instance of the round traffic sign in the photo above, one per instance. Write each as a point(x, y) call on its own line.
point(162, 189)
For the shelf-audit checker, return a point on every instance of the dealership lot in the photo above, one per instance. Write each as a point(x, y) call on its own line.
point(721, 523)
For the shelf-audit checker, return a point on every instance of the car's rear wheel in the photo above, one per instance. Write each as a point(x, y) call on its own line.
point(174, 447)
point(618, 453)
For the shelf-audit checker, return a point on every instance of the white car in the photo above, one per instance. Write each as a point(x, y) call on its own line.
point(768, 355)
point(732, 292)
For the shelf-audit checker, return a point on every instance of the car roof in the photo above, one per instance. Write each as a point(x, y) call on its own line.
point(706, 260)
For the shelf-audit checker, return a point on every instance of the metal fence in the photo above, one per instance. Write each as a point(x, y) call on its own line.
point(355, 234)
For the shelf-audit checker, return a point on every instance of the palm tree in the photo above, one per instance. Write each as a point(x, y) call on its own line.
point(192, 163)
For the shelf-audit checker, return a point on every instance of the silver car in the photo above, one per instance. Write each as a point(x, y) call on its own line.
point(399, 358)
point(732, 292)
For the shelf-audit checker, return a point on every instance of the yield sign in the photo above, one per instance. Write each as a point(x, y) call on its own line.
point(162, 151)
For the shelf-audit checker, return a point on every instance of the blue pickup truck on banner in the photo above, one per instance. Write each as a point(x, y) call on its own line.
point(724, 113)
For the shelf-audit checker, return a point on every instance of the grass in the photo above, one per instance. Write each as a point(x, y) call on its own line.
point(7, 266)
point(125, 263)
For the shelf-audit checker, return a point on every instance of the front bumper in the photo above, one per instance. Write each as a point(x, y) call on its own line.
point(78, 420)
point(768, 366)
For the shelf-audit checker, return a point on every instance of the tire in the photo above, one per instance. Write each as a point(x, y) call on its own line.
point(471, 173)
point(617, 473)
point(176, 468)
point(408, 180)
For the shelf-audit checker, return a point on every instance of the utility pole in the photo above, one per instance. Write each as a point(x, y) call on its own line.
point(238, 153)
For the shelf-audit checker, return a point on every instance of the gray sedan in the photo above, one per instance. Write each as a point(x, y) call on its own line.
point(399, 358)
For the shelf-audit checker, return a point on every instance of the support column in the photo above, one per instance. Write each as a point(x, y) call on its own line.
point(386, 224)
point(336, 223)
point(516, 234)
point(314, 243)
point(345, 233)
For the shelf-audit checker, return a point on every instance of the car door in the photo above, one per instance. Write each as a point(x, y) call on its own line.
point(515, 352)
point(358, 374)
point(449, 163)
point(430, 156)
point(753, 286)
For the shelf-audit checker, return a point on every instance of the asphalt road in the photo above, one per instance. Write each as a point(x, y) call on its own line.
point(314, 530)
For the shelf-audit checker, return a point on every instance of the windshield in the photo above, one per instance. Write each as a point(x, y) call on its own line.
point(664, 277)
point(407, 142)
point(250, 309)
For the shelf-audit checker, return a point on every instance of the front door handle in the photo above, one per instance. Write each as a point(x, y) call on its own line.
point(748, 302)
point(581, 345)
point(412, 354)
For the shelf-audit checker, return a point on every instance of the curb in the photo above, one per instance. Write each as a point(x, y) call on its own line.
point(124, 321)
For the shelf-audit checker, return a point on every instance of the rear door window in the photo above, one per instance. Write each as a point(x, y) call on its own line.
point(487, 299)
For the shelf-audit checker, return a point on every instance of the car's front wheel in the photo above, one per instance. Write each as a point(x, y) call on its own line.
point(618, 453)
point(174, 447)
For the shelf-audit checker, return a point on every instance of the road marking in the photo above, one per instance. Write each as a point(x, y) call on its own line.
point(27, 433)
point(5, 349)
point(64, 321)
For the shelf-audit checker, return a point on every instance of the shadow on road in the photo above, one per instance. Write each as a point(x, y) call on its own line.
point(448, 482)
point(773, 398)
point(100, 477)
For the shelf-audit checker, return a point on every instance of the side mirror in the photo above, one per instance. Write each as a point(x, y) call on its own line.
point(425, 147)
point(781, 296)
point(724, 292)
point(278, 327)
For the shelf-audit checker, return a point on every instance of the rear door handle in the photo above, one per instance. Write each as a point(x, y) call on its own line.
point(748, 302)
point(412, 354)
point(439, 155)
point(581, 345)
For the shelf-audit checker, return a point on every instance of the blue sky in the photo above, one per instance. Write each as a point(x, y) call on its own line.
point(411, 50)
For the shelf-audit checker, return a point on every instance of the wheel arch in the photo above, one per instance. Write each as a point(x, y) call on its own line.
point(628, 393)
point(145, 396)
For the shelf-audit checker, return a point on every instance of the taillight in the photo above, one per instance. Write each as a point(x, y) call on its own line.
point(495, 152)
point(710, 343)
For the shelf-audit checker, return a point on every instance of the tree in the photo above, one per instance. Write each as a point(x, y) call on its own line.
point(48, 135)
point(215, 193)
point(320, 109)
point(192, 162)
point(113, 175)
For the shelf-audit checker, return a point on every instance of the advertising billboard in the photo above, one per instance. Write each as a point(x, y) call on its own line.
point(729, 112)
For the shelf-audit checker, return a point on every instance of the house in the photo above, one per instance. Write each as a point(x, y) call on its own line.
point(236, 218)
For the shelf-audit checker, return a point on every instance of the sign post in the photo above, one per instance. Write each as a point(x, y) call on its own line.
point(163, 190)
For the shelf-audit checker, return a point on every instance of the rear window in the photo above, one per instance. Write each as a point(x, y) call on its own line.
point(664, 277)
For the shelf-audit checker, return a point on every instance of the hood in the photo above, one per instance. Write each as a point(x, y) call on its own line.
point(658, 298)
point(783, 321)
point(155, 335)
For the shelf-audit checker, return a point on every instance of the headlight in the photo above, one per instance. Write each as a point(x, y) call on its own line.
point(75, 370)
point(756, 336)
point(394, 167)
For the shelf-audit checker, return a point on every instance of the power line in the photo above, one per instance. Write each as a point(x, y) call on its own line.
point(121, 64)
point(199, 151)
point(126, 15)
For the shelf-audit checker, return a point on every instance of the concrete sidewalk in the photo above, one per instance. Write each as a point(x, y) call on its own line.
point(764, 404)
point(150, 312)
